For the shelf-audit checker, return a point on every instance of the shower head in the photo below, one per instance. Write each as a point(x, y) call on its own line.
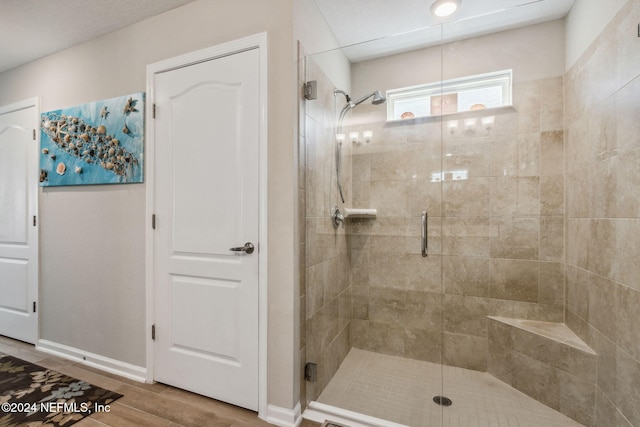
point(377, 99)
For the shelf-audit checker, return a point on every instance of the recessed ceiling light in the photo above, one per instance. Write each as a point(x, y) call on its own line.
point(442, 8)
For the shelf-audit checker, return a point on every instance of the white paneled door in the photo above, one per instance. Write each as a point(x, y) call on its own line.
point(18, 221)
point(206, 248)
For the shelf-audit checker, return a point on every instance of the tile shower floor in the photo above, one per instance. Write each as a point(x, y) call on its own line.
point(401, 390)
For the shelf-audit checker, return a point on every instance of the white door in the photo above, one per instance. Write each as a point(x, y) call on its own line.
point(18, 222)
point(206, 202)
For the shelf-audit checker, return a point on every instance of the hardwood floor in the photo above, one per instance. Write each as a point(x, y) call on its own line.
point(142, 404)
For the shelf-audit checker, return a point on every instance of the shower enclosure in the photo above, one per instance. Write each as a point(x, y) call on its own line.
point(442, 279)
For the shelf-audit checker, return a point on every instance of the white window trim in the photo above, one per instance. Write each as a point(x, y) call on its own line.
point(502, 78)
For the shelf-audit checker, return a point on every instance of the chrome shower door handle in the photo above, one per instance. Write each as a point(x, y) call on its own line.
point(424, 230)
point(248, 248)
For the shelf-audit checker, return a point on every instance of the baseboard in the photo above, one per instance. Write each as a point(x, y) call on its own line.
point(136, 373)
point(283, 417)
point(320, 412)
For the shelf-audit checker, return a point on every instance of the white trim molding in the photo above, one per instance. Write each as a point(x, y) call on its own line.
point(33, 291)
point(260, 42)
point(283, 417)
point(320, 412)
point(117, 367)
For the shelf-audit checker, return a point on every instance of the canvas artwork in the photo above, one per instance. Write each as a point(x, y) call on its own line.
point(97, 143)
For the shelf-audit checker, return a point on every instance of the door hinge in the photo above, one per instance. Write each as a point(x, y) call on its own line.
point(35, 221)
point(311, 372)
point(153, 332)
point(34, 306)
point(153, 111)
point(311, 90)
point(34, 134)
point(153, 221)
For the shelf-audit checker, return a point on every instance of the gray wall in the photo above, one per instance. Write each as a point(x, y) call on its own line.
point(585, 22)
point(92, 254)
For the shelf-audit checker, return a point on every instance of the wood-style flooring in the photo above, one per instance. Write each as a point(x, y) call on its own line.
point(142, 404)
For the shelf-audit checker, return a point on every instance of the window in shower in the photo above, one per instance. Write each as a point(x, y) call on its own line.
point(481, 91)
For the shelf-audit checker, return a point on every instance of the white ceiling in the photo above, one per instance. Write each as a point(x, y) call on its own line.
point(31, 29)
point(374, 28)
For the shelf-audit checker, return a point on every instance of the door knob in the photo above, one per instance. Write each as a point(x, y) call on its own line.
point(247, 248)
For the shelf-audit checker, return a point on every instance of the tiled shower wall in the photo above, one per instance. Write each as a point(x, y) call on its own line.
point(495, 238)
point(326, 289)
point(603, 212)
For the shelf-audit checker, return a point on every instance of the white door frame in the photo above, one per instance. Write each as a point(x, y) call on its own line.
point(255, 41)
point(33, 198)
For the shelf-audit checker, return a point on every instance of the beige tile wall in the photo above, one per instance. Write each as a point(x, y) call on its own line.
point(495, 239)
point(325, 288)
point(602, 96)
point(553, 367)
point(554, 169)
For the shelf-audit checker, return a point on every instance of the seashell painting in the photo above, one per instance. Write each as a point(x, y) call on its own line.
point(61, 168)
point(102, 142)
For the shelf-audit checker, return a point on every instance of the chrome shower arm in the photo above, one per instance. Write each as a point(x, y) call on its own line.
point(346, 95)
point(377, 98)
point(364, 98)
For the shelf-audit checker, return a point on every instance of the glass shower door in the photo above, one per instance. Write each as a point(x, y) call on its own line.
point(374, 316)
point(503, 226)
point(468, 151)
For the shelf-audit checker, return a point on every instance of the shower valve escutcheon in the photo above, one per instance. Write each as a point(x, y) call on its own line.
point(337, 217)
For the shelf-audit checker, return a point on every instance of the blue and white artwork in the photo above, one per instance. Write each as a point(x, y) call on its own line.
point(97, 143)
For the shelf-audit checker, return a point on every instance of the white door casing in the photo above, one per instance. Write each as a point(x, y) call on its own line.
point(206, 192)
point(18, 220)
